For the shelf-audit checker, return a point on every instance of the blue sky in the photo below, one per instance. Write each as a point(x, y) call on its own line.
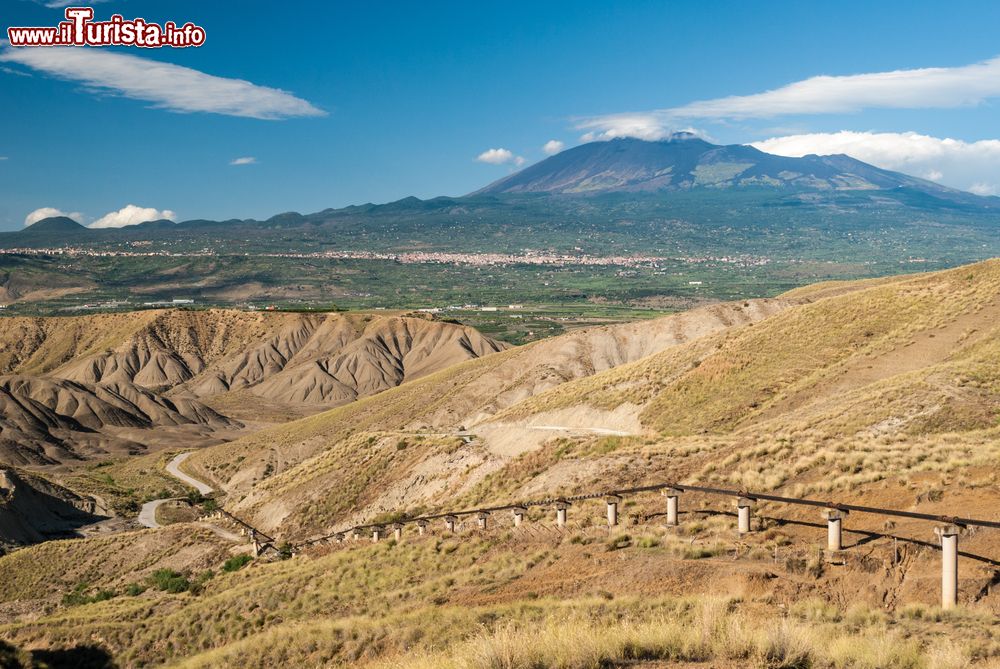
point(386, 100)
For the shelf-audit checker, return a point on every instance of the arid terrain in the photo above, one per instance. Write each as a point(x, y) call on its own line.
point(882, 393)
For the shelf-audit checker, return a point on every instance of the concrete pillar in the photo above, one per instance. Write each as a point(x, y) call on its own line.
point(834, 529)
point(482, 516)
point(353, 535)
point(397, 531)
point(673, 498)
point(613, 502)
point(561, 508)
point(949, 564)
point(519, 512)
point(449, 523)
point(421, 527)
point(339, 538)
point(256, 545)
point(743, 505)
point(376, 534)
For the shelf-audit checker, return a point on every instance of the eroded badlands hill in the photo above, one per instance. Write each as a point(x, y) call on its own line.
point(77, 388)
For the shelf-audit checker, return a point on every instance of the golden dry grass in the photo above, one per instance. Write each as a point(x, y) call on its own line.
point(425, 604)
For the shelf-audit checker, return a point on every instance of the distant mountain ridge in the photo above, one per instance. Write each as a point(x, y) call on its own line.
point(685, 161)
point(680, 163)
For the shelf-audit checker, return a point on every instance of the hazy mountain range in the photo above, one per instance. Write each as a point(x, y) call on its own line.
point(662, 170)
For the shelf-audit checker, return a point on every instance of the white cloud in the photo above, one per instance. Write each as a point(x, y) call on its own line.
point(51, 212)
point(499, 157)
point(924, 88)
point(3, 157)
point(980, 188)
point(132, 215)
point(246, 160)
point(166, 86)
point(552, 147)
point(642, 126)
point(972, 166)
point(18, 73)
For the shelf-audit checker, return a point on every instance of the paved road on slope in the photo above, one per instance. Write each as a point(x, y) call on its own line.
point(174, 469)
point(147, 515)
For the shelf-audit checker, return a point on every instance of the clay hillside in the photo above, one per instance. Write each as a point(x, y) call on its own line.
point(882, 393)
point(88, 387)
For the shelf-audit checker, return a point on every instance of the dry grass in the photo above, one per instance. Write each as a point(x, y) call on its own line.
point(48, 570)
point(470, 602)
point(589, 635)
point(721, 382)
point(126, 483)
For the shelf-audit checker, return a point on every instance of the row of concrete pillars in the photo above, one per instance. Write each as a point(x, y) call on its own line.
point(948, 534)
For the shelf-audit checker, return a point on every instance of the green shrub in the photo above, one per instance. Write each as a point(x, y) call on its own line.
point(236, 563)
point(79, 596)
point(134, 589)
point(169, 580)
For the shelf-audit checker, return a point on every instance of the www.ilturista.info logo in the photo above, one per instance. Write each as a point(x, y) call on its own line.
point(80, 29)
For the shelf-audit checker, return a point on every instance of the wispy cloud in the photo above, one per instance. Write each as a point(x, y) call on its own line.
point(552, 147)
point(245, 160)
point(11, 70)
point(51, 212)
point(58, 4)
point(3, 157)
point(499, 157)
point(924, 88)
point(972, 166)
point(132, 215)
point(166, 86)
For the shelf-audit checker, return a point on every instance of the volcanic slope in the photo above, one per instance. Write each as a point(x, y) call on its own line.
point(868, 380)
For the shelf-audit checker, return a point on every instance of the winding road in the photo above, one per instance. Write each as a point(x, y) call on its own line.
point(147, 515)
point(174, 468)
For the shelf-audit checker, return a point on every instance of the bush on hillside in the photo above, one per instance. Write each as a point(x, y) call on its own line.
point(236, 563)
point(169, 580)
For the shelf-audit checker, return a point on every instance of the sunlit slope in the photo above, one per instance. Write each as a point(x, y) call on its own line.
point(321, 359)
point(85, 387)
point(913, 359)
point(813, 354)
point(367, 602)
point(285, 470)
